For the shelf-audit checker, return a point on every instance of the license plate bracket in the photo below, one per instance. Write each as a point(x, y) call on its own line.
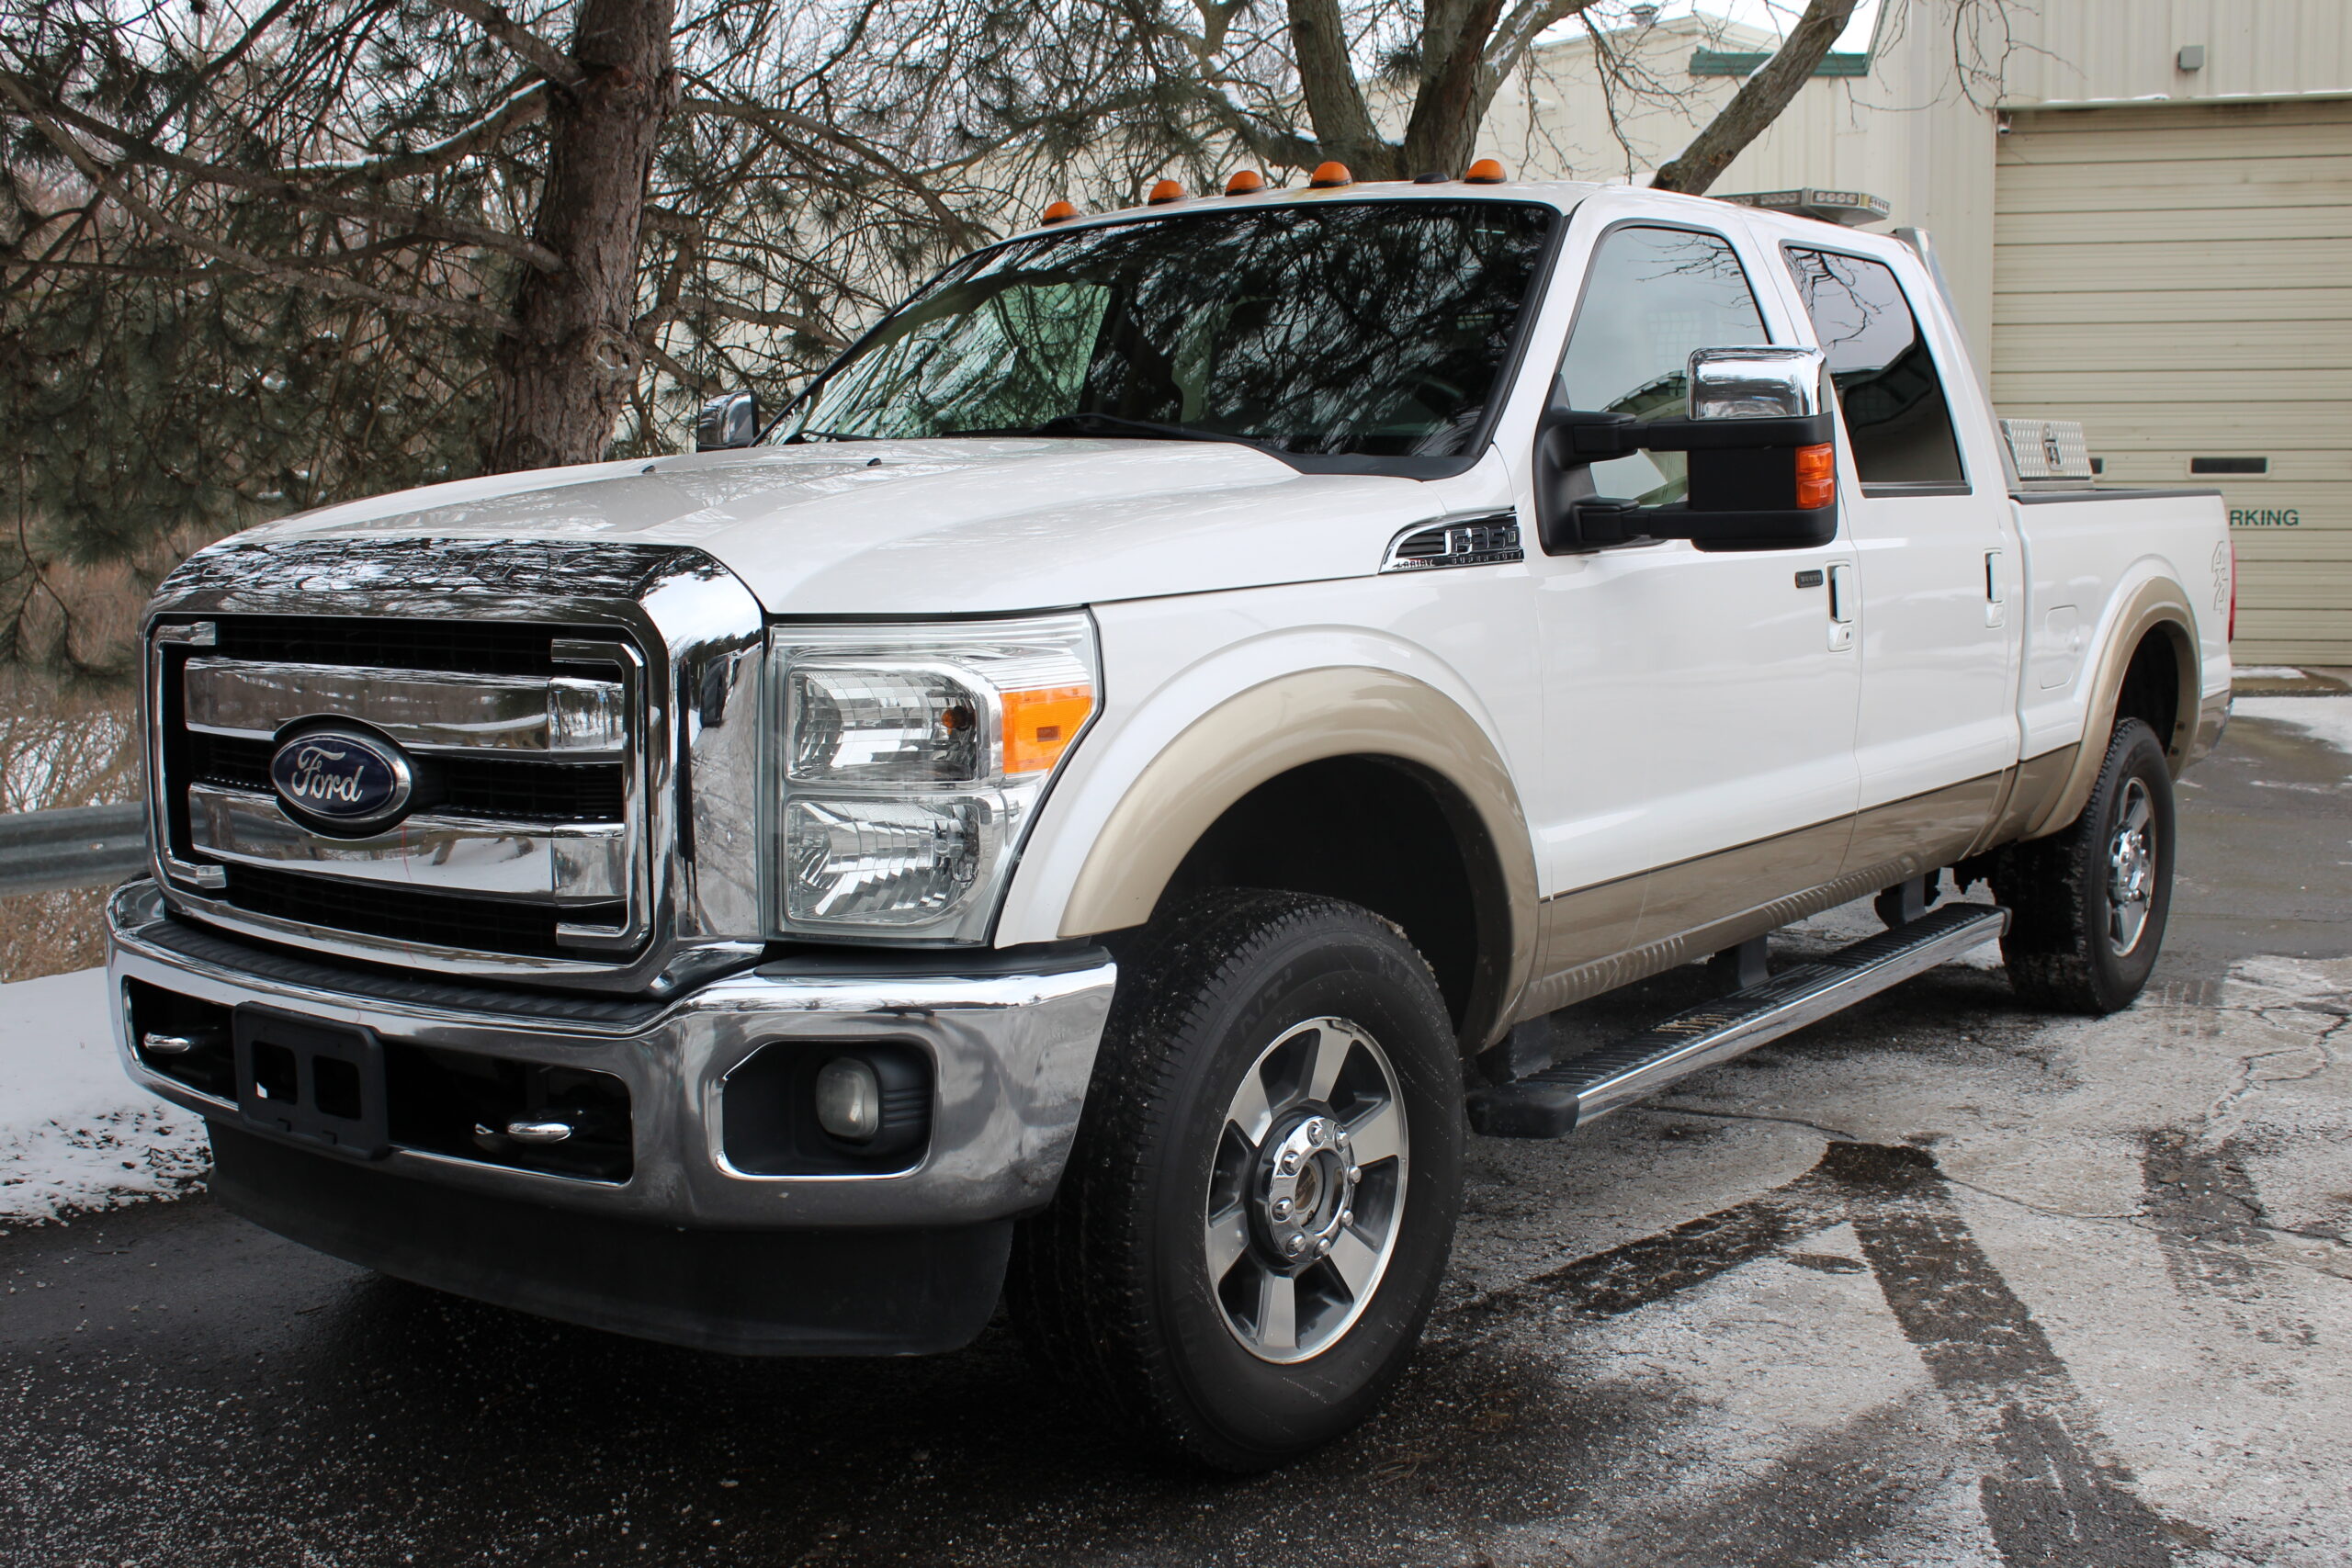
point(311, 1081)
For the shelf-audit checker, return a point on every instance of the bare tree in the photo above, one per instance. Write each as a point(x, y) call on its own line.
point(1759, 99)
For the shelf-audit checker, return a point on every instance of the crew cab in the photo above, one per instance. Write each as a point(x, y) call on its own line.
point(1092, 805)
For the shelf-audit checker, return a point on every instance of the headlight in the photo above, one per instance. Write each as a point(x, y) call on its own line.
point(912, 759)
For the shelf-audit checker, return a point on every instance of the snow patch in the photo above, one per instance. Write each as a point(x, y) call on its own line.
point(75, 1132)
point(2323, 718)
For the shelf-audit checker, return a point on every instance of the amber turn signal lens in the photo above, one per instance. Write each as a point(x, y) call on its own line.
point(1245, 182)
point(1164, 192)
point(1328, 174)
point(1039, 725)
point(1816, 476)
point(1484, 172)
point(1059, 212)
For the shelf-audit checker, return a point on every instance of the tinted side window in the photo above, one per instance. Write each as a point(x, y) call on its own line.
point(1651, 296)
point(1886, 380)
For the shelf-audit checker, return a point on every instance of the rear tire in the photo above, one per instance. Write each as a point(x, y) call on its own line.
point(2088, 905)
point(1199, 1290)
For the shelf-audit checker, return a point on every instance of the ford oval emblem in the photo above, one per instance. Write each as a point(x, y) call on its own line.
point(350, 779)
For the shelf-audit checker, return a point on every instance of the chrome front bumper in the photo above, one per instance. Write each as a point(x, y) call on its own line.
point(1012, 1046)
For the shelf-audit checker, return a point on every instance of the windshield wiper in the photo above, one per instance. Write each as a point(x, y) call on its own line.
point(1111, 425)
point(829, 435)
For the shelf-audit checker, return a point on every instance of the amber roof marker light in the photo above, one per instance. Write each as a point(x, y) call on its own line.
point(1245, 182)
point(1163, 193)
point(1327, 175)
point(1484, 172)
point(1059, 212)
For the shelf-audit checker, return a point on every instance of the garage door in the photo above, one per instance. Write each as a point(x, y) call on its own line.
point(2180, 278)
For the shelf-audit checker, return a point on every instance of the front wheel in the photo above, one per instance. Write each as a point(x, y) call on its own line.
point(1259, 1206)
point(2089, 902)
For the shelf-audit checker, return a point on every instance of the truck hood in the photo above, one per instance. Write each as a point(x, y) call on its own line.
point(925, 528)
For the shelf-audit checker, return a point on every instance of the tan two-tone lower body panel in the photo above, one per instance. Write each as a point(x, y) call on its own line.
point(1596, 938)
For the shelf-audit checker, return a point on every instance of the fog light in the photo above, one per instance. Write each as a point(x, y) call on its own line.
point(849, 1100)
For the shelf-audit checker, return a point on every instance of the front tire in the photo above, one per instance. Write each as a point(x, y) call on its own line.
point(2088, 903)
point(1259, 1206)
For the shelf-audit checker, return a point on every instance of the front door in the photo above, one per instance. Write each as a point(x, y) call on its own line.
point(1700, 705)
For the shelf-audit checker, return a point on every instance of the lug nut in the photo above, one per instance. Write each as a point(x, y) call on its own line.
point(1355, 1174)
point(1322, 1247)
point(1289, 1163)
point(1315, 1131)
point(1282, 1208)
point(1295, 1244)
point(1347, 1216)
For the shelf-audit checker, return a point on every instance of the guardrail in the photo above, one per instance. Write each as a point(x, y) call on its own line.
point(84, 846)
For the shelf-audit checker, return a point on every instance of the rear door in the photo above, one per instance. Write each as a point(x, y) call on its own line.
point(1928, 508)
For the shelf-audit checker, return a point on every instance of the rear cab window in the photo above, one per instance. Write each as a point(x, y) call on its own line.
point(1889, 388)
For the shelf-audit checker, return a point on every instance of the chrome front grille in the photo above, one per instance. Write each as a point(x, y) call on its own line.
point(525, 834)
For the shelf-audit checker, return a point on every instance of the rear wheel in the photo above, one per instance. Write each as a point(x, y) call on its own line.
point(1259, 1206)
point(2088, 905)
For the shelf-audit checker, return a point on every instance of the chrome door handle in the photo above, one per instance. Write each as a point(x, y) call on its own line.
point(1844, 601)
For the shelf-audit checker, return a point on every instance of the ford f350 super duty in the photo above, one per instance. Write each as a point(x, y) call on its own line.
point(1093, 805)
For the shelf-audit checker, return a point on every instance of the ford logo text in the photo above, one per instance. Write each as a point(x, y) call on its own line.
point(347, 779)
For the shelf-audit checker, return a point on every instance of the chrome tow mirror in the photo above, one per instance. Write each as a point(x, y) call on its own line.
point(727, 420)
point(1756, 383)
point(1758, 460)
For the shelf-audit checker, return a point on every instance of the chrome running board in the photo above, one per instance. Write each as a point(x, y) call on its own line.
point(1558, 1100)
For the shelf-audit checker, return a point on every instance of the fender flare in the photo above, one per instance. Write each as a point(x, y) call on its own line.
point(2157, 606)
point(1310, 715)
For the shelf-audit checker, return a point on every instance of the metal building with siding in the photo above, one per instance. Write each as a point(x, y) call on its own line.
point(2145, 210)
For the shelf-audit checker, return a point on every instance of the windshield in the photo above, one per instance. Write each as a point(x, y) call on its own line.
point(1368, 328)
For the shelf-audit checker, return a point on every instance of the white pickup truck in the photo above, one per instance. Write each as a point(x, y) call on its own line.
point(1091, 806)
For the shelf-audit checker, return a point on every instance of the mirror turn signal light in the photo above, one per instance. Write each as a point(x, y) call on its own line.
point(1059, 212)
point(1484, 172)
point(1816, 476)
point(1163, 193)
point(1326, 176)
point(1039, 725)
point(1245, 182)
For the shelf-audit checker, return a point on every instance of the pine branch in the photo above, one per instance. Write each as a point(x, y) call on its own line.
point(421, 223)
point(520, 41)
point(772, 121)
point(98, 174)
point(526, 106)
point(782, 319)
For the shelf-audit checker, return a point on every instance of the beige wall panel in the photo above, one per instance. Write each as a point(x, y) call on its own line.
point(2159, 305)
point(2316, 180)
point(2293, 585)
point(2184, 384)
point(2223, 137)
point(2092, 268)
point(2238, 224)
point(2206, 342)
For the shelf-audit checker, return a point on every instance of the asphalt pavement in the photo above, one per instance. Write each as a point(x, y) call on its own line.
point(1941, 1281)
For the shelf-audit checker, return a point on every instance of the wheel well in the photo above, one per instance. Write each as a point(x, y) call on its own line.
point(1378, 832)
point(2152, 690)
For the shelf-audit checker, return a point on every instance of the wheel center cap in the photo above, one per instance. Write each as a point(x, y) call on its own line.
point(1309, 1179)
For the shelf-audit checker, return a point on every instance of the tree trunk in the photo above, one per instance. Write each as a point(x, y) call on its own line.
point(1335, 104)
point(1442, 136)
point(1759, 100)
point(565, 376)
